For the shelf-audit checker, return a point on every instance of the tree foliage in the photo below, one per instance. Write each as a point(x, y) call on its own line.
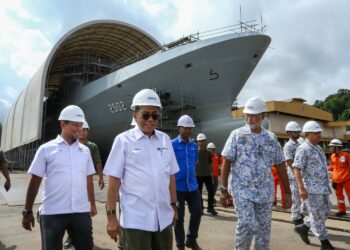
point(338, 104)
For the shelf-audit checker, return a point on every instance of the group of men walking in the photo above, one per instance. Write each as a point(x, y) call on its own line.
point(152, 177)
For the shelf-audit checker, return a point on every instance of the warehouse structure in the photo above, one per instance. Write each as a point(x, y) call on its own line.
point(84, 54)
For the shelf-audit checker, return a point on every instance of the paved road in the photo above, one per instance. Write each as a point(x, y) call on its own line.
point(215, 232)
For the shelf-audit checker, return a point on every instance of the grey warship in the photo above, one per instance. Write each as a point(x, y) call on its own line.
point(194, 76)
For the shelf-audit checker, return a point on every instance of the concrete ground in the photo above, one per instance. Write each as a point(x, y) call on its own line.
point(216, 232)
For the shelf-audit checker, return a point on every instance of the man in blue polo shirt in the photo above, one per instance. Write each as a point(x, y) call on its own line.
point(186, 152)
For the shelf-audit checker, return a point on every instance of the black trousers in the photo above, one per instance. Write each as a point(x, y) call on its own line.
point(53, 228)
point(208, 181)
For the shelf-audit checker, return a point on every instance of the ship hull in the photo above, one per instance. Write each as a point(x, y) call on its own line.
point(201, 79)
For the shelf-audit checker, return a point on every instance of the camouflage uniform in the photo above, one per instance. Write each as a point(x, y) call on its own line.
point(298, 209)
point(312, 162)
point(252, 156)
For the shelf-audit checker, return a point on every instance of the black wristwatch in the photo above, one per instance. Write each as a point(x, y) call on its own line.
point(223, 190)
point(174, 204)
point(27, 212)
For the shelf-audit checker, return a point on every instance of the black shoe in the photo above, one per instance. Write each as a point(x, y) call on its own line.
point(298, 221)
point(326, 245)
point(303, 231)
point(212, 211)
point(340, 214)
point(192, 245)
point(181, 248)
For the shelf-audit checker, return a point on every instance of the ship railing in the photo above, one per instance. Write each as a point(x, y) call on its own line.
point(236, 28)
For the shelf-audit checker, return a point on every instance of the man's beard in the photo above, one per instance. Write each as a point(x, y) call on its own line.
point(253, 125)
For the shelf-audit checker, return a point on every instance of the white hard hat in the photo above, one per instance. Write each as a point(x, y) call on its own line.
point(211, 145)
point(293, 126)
point(300, 140)
point(185, 121)
point(146, 97)
point(86, 125)
point(72, 113)
point(255, 105)
point(201, 137)
point(311, 126)
point(336, 143)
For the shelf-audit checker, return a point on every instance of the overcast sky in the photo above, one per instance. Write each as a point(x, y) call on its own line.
point(309, 56)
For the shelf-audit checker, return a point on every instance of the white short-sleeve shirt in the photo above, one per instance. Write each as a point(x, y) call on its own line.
point(65, 169)
point(144, 166)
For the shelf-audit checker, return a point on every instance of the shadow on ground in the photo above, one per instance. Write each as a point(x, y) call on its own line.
point(3, 247)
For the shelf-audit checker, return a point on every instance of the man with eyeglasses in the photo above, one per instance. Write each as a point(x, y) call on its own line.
point(67, 169)
point(249, 153)
point(186, 151)
point(297, 210)
point(141, 168)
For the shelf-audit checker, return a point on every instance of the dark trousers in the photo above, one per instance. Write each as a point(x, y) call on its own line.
point(194, 206)
point(135, 239)
point(208, 181)
point(53, 228)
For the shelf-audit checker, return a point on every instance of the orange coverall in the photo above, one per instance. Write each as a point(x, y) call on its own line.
point(340, 167)
point(277, 181)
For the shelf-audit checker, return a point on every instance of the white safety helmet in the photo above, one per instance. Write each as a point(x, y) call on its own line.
point(311, 126)
point(300, 140)
point(146, 97)
point(72, 113)
point(293, 127)
point(211, 146)
point(201, 137)
point(185, 121)
point(255, 105)
point(336, 143)
point(86, 125)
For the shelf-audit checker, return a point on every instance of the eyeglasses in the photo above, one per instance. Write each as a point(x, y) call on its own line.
point(146, 115)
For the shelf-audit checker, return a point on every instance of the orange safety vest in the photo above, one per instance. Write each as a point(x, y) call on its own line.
point(215, 161)
point(340, 165)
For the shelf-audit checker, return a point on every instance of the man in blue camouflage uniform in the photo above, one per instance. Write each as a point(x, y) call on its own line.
point(249, 153)
point(310, 169)
point(293, 131)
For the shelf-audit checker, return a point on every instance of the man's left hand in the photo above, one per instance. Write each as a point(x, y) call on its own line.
point(176, 215)
point(288, 201)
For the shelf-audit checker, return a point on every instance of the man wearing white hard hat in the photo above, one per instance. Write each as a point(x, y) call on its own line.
point(96, 159)
point(67, 169)
point(204, 172)
point(310, 170)
point(340, 167)
point(293, 131)
point(186, 152)
point(249, 154)
point(141, 168)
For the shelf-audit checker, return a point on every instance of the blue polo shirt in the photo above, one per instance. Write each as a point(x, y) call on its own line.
point(187, 157)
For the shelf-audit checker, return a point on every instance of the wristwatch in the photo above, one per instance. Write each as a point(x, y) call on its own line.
point(110, 212)
point(223, 190)
point(27, 212)
point(174, 204)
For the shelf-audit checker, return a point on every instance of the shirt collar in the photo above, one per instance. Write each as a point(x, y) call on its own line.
point(139, 134)
point(60, 139)
point(179, 139)
point(292, 141)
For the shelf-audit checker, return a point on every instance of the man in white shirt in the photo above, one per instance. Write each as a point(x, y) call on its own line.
point(141, 168)
point(67, 169)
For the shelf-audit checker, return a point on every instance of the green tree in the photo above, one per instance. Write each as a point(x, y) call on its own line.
point(338, 104)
